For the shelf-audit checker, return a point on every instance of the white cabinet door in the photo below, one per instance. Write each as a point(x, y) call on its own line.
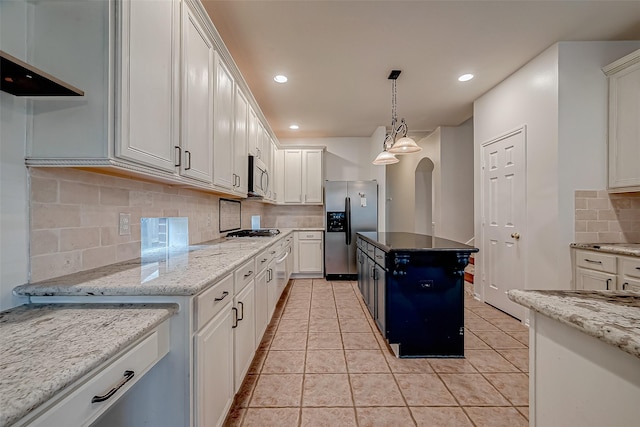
point(197, 99)
point(214, 369)
point(624, 122)
point(244, 335)
point(253, 133)
point(312, 176)
point(279, 169)
point(310, 256)
point(292, 176)
point(273, 293)
point(262, 305)
point(223, 127)
point(240, 146)
point(594, 280)
point(147, 124)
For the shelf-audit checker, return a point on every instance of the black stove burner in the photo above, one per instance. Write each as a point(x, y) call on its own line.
point(261, 232)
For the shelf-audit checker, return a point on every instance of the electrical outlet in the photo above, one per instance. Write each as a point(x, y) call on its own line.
point(124, 224)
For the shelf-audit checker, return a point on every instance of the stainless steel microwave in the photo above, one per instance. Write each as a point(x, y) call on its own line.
point(258, 177)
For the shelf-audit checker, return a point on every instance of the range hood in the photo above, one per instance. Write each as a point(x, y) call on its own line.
point(21, 79)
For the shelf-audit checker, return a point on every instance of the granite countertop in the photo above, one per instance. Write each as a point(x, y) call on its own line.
point(184, 273)
point(46, 347)
point(398, 241)
point(629, 249)
point(611, 316)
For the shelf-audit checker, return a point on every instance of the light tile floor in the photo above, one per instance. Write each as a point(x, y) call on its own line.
point(322, 362)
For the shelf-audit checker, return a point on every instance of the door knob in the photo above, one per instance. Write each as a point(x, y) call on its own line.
point(515, 236)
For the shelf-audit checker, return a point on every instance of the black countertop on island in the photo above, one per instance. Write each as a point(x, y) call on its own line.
point(400, 241)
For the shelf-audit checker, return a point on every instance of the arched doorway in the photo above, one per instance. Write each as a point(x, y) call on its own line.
point(424, 197)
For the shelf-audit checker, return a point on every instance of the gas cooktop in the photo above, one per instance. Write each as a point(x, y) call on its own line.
point(260, 232)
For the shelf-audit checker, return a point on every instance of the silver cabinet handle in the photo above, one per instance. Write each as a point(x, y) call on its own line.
point(241, 310)
point(128, 375)
point(179, 156)
point(248, 274)
point(235, 317)
point(624, 286)
point(592, 261)
point(608, 281)
point(224, 295)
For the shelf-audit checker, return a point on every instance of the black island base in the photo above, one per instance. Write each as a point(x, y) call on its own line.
point(413, 285)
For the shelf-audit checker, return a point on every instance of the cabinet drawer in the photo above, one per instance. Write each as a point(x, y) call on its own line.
point(630, 284)
point(263, 259)
point(630, 267)
point(596, 261)
point(77, 408)
point(309, 235)
point(379, 257)
point(209, 303)
point(244, 275)
point(371, 251)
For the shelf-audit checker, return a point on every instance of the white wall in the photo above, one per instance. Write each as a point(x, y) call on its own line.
point(451, 151)
point(563, 106)
point(14, 202)
point(456, 195)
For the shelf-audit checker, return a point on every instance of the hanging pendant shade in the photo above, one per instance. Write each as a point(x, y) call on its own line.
point(385, 158)
point(405, 145)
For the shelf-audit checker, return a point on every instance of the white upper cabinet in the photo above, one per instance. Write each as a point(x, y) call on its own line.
point(223, 141)
point(624, 123)
point(303, 176)
point(241, 138)
point(195, 151)
point(293, 176)
point(148, 82)
point(312, 176)
point(254, 129)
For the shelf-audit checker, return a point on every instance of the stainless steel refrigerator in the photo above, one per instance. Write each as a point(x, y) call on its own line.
point(350, 207)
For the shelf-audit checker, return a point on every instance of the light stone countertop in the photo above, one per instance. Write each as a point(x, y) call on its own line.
point(47, 347)
point(185, 273)
point(611, 316)
point(628, 249)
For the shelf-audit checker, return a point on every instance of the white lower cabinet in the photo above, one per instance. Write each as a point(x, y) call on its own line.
point(594, 280)
point(262, 305)
point(244, 334)
point(594, 270)
point(214, 374)
point(309, 253)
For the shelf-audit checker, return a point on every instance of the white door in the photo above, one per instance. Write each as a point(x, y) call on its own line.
point(503, 218)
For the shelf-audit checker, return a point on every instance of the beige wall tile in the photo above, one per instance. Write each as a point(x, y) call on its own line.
point(127, 251)
point(610, 237)
point(44, 242)
point(618, 222)
point(54, 216)
point(98, 257)
point(598, 204)
point(581, 203)
point(586, 214)
point(586, 193)
point(54, 265)
point(597, 226)
point(114, 196)
point(44, 190)
point(587, 238)
point(78, 193)
point(609, 215)
point(79, 238)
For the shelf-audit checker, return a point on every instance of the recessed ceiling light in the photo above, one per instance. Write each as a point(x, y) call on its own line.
point(294, 127)
point(280, 78)
point(465, 77)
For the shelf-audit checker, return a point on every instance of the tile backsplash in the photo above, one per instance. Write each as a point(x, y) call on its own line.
point(603, 217)
point(75, 217)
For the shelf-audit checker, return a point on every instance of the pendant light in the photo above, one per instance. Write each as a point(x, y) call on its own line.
point(391, 146)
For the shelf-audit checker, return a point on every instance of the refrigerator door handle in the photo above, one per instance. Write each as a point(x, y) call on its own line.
point(347, 210)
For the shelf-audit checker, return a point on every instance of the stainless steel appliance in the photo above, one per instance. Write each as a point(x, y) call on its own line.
point(258, 178)
point(350, 207)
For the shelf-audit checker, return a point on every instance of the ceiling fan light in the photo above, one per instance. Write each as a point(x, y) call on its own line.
point(385, 158)
point(405, 145)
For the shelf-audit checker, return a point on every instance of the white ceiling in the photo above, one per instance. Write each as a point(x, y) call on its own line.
point(338, 54)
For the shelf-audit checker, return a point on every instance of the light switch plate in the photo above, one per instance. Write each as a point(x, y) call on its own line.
point(124, 228)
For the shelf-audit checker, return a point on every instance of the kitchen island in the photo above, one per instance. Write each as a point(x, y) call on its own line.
point(413, 285)
point(584, 353)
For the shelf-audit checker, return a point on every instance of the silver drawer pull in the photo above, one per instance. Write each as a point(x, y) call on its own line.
point(248, 274)
point(592, 261)
point(224, 295)
point(128, 375)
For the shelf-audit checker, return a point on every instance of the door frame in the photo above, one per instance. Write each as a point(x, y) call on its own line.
point(524, 260)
